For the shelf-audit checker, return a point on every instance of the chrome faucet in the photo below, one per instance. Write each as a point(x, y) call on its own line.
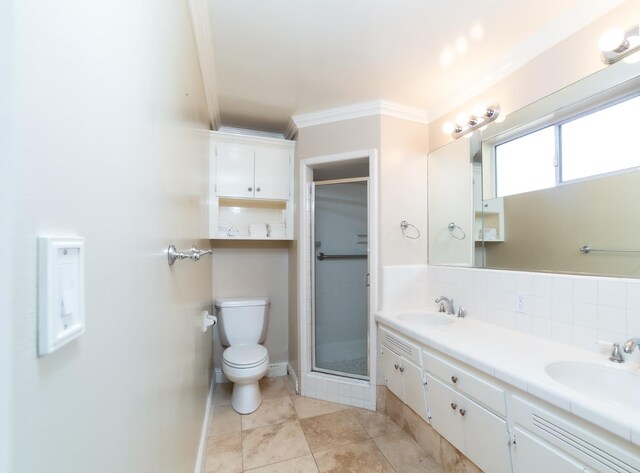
point(631, 345)
point(446, 305)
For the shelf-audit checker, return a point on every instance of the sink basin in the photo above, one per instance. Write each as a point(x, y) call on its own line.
point(602, 382)
point(426, 318)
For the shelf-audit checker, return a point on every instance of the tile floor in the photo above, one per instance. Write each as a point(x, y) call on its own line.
point(294, 434)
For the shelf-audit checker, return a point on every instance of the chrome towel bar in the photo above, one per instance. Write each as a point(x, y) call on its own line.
point(322, 257)
point(586, 249)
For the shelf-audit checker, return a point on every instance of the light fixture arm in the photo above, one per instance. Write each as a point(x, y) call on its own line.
point(626, 47)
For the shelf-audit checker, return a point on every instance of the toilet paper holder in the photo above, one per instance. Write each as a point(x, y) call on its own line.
point(208, 320)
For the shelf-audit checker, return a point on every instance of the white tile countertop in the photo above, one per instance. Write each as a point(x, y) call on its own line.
point(520, 360)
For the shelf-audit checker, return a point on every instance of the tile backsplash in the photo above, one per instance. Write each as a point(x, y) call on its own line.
point(576, 310)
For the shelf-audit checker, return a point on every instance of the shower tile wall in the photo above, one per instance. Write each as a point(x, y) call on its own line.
point(576, 310)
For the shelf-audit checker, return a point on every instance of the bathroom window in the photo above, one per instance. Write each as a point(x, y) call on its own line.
point(597, 142)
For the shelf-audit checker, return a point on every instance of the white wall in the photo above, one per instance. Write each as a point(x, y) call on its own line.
point(255, 269)
point(107, 143)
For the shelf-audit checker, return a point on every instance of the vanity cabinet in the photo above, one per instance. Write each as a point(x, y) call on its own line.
point(403, 375)
point(469, 412)
point(251, 182)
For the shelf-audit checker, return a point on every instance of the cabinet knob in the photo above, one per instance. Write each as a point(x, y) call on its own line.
point(454, 379)
point(257, 189)
point(401, 369)
point(454, 406)
point(250, 189)
point(396, 366)
point(462, 412)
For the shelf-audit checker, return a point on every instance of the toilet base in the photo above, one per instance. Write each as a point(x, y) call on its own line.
point(246, 398)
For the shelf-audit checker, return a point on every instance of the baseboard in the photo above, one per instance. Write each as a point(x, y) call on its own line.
point(275, 369)
point(293, 377)
point(202, 447)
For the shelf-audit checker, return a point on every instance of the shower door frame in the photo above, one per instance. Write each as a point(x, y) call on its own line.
point(312, 232)
point(300, 367)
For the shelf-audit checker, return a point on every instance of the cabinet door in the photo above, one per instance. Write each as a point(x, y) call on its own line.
point(533, 456)
point(486, 439)
point(272, 173)
point(234, 170)
point(444, 404)
point(391, 371)
point(414, 388)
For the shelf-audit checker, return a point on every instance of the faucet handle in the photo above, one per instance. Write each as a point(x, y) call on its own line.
point(462, 312)
point(616, 354)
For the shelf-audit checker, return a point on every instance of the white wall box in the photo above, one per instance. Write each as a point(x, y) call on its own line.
point(402, 369)
point(60, 291)
point(251, 182)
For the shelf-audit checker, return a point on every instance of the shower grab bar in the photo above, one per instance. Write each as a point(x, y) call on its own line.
point(587, 249)
point(322, 256)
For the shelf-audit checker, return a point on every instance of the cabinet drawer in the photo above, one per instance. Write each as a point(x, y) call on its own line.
point(400, 346)
point(475, 387)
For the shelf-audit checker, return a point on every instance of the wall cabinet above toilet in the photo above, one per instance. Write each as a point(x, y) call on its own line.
point(251, 182)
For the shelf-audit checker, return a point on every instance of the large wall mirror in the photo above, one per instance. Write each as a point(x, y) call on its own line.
point(483, 215)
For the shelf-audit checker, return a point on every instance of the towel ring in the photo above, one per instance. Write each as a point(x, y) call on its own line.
point(452, 231)
point(404, 225)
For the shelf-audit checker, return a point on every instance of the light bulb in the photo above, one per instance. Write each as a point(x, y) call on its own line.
point(634, 42)
point(462, 119)
point(476, 32)
point(448, 128)
point(479, 110)
point(611, 39)
point(461, 45)
point(446, 58)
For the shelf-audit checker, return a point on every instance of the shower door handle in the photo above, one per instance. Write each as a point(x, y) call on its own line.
point(366, 280)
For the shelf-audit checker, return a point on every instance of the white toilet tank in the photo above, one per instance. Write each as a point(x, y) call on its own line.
point(242, 320)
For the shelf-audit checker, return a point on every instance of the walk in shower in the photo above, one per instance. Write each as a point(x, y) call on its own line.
point(340, 269)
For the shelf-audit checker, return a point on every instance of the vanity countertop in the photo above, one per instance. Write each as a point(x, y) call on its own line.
point(520, 360)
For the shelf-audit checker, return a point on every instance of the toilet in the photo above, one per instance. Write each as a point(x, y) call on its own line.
point(242, 324)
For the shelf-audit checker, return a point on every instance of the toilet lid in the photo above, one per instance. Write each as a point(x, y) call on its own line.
point(245, 356)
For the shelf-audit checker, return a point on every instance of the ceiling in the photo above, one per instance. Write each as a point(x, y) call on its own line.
point(277, 58)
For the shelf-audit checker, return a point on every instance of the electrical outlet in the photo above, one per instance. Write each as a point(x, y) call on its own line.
point(521, 302)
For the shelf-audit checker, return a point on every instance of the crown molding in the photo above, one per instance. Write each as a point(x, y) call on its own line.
point(291, 131)
point(204, 46)
point(360, 110)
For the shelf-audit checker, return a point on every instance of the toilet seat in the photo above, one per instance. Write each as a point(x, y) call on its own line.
point(245, 356)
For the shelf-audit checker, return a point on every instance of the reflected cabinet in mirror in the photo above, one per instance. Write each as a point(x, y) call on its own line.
point(555, 187)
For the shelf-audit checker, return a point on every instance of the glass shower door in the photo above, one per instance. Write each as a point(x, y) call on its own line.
point(341, 292)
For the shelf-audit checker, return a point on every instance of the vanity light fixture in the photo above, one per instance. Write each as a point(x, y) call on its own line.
point(467, 124)
point(617, 44)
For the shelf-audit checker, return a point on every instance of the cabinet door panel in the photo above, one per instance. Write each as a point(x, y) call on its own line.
point(444, 403)
point(392, 375)
point(414, 388)
point(485, 438)
point(234, 170)
point(272, 173)
point(533, 456)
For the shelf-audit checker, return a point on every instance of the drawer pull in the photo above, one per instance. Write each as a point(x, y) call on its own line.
point(401, 369)
point(462, 412)
point(396, 366)
point(250, 189)
point(454, 379)
point(454, 406)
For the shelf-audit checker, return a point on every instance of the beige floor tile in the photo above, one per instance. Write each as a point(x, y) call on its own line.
point(304, 464)
point(376, 424)
point(270, 412)
point(394, 408)
point(307, 407)
point(361, 457)
point(424, 435)
point(404, 454)
point(332, 430)
point(273, 444)
point(224, 454)
point(381, 393)
point(222, 394)
point(274, 387)
point(455, 462)
point(224, 421)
